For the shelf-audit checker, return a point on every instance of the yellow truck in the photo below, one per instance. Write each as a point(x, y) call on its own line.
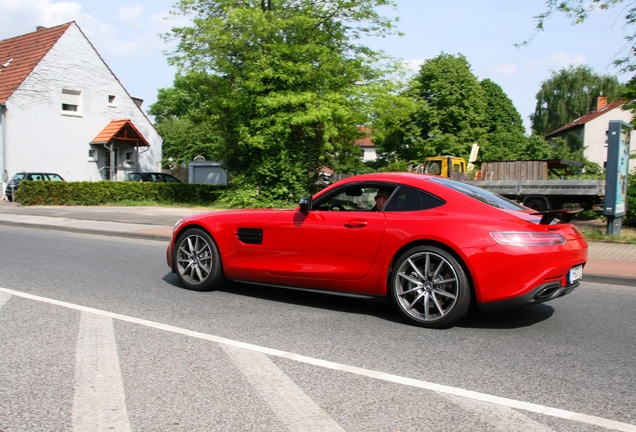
point(445, 166)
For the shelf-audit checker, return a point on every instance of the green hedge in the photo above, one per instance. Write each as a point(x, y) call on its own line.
point(106, 192)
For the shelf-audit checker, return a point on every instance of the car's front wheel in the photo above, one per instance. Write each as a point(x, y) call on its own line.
point(197, 261)
point(430, 287)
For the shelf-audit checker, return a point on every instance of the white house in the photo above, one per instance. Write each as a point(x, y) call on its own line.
point(592, 129)
point(369, 153)
point(63, 110)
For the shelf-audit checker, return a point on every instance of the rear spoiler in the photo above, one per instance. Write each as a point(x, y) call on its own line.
point(564, 215)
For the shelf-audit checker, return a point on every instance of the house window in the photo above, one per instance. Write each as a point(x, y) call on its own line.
point(71, 102)
point(92, 155)
point(112, 100)
point(129, 157)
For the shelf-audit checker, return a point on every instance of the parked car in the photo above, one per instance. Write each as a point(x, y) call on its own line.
point(151, 177)
point(13, 184)
point(436, 248)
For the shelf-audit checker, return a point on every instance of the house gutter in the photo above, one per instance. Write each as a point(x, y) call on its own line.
point(3, 147)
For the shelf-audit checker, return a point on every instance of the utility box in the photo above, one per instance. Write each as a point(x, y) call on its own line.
point(207, 172)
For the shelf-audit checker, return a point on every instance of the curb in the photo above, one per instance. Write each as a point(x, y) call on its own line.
point(137, 235)
point(609, 280)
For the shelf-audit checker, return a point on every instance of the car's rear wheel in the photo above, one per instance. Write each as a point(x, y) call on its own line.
point(197, 261)
point(430, 287)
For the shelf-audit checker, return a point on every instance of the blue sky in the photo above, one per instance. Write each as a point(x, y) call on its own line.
point(126, 34)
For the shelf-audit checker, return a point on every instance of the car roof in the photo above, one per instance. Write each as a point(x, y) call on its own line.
point(397, 177)
point(37, 172)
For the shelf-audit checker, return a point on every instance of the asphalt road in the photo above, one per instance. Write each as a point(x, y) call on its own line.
point(96, 334)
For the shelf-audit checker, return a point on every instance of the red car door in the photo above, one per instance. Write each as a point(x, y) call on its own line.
point(324, 244)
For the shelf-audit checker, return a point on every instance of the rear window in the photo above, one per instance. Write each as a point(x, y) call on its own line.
point(480, 194)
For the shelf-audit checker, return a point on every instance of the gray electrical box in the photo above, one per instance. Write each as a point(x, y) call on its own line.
point(207, 172)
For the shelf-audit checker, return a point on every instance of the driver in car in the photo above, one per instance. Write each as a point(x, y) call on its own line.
point(380, 199)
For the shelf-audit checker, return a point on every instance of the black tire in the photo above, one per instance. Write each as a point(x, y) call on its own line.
point(536, 204)
point(430, 287)
point(197, 261)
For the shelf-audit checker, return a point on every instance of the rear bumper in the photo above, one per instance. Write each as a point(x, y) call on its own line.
point(543, 293)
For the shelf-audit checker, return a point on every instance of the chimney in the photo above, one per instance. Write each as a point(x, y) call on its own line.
point(40, 28)
point(601, 102)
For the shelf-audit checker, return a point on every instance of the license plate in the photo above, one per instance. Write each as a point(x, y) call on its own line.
point(575, 273)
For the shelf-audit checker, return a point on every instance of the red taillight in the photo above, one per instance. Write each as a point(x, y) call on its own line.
point(510, 238)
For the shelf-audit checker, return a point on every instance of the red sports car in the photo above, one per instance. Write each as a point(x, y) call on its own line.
point(433, 245)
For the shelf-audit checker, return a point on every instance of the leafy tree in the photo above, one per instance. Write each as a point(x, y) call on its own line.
point(500, 112)
point(442, 111)
point(505, 135)
point(453, 105)
point(569, 94)
point(185, 118)
point(629, 94)
point(291, 85)
point(391, 127)
point(536, 148)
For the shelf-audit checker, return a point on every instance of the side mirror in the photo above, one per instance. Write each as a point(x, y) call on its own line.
point(305, 204)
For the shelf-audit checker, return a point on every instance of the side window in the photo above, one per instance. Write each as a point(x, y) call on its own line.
point(352, 198)
point(433, 167)
point(409, 199)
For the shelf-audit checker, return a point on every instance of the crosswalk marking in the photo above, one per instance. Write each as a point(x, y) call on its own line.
point(289, 403)
point(396, 379)
point(4, 298)
point(99, 403)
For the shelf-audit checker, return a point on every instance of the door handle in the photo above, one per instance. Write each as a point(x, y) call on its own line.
point(356, 223)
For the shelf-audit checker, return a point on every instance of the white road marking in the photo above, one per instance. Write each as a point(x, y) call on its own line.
point(289, 403)
point(99, 402)
point(497, 417)
point(444, 389)
point(4, 298)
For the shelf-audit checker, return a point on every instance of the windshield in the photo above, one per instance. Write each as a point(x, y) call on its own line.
point(480, 194)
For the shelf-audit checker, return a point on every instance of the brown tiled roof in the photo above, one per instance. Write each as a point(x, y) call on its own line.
point(20, 54)
point(120, 130)
point(587, 117)
point(365, 141)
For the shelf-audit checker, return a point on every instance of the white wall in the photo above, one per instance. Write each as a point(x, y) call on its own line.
point(595, 140)
point(40, 138)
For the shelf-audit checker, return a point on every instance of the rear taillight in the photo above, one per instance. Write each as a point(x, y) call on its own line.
point(510, 238)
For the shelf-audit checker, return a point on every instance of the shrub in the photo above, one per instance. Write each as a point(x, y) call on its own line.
point(105, 192)
point(630, 218)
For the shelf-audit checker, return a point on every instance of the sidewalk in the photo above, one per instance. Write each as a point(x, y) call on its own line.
point(607, 262)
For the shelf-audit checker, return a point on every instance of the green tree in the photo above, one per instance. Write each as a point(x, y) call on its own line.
point(569, 94)
point(500, 112)
point(184, 117)
point(291, 85)
point(452, 106)
point(442, 111)
point(505, 135)
point(629, 94)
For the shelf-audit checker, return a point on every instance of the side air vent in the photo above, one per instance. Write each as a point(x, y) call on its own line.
point(250, 235)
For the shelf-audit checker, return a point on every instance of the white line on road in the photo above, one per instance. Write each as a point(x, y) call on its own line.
point(444, 389)
point(99, 402)
point(289, 403)
point(4, 298)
